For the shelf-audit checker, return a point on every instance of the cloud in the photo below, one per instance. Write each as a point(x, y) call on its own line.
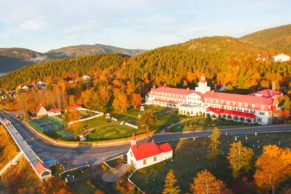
point(33, 25)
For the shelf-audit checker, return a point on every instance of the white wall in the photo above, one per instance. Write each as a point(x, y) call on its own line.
point(149, 161)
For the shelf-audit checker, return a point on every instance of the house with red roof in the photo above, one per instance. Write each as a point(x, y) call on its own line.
point(147, 154)
point(54, 112)
point(253, 108)
point(41, 111)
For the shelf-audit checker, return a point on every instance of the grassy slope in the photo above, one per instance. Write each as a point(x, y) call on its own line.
point(190, 157)
point(8, 149)
point(274, 38)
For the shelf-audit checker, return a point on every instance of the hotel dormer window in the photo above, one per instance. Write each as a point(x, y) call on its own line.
point(262, 107)
point(246, 104)
point(233, 103)
point(227, 102)
point(253, 106)
point(239, 103)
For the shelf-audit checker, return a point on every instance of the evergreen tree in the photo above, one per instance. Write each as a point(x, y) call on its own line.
point(170, 184)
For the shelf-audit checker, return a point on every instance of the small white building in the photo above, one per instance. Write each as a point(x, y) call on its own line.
point(281, 58)
point(147, 154)
point(86, 77)
point(41, 111)
point(54, 112)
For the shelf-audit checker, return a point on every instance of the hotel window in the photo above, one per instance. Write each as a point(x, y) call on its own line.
point(239, 104)
point(253, 106)
point(259, 119)
point(144, 161)
point(155, 158)
point(227, 102)
point(262, 107)
point(262, 113)
point(246, 104)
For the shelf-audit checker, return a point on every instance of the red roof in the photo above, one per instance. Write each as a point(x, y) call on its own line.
point(40, 167)
point(75, 106)
point(234, 100)
point(231, 112)
point(267, 93)
point(165, 147)
point(54, 110)
point(39, 107)
point(149, 149)
point(166, 89)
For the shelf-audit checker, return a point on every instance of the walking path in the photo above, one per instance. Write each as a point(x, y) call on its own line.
point(115, 174)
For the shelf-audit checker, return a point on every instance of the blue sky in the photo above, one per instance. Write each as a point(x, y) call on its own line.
point(42, 25)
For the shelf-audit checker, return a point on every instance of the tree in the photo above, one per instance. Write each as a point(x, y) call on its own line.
point(170, 184)
point(72, 115)
point(135, 100)
point(214, 143)
point(206, 183)
point(120, 102)
point(146, 120)
point(239, 158)
point(272, 167)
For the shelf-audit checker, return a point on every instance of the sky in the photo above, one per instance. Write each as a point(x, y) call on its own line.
point(42, 25)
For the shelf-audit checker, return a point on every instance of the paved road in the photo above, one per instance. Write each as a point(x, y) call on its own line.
point(72, 157)
point(25, 148)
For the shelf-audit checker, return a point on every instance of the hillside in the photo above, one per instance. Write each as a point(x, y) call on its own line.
point(222, 59)
point(57, 69)
point(15, 58)
point(278, 38)
point(85, 50)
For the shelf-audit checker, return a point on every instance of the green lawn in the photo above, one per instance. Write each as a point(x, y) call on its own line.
point(165, 116)
point(102, 129)
point(202, 123)
point(190, 157)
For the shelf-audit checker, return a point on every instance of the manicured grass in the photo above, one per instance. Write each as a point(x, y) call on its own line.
point(202, 123)
point(190, 157)
point(105, 129)
point(165, 116)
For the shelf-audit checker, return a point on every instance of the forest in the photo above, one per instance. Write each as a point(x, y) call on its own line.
point(118, 82)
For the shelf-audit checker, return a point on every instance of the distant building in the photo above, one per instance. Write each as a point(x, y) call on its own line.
point(86, 77)
point(76, 107)
point(281, 58)
point(54, 112)
point(253, 108)
point(41, 111)
point(147, 154)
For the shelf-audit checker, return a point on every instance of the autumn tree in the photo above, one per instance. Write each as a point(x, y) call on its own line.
point(72, 115)
point(214, 138)
point(122, 184)
point(272, 167)
point(135, 100)
point(239, 158)
point(206, 183)
point(147, 120)
point(120, 102)
point(170, 184)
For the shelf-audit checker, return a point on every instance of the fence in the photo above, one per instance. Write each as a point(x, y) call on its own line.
point(131, 125)
point(10, 163)
point(89, 118)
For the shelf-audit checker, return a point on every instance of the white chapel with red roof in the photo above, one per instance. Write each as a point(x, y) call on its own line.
point(147, 154)
point(252, 108)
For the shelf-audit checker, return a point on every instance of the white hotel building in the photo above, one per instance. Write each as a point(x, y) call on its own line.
point(252, 108)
